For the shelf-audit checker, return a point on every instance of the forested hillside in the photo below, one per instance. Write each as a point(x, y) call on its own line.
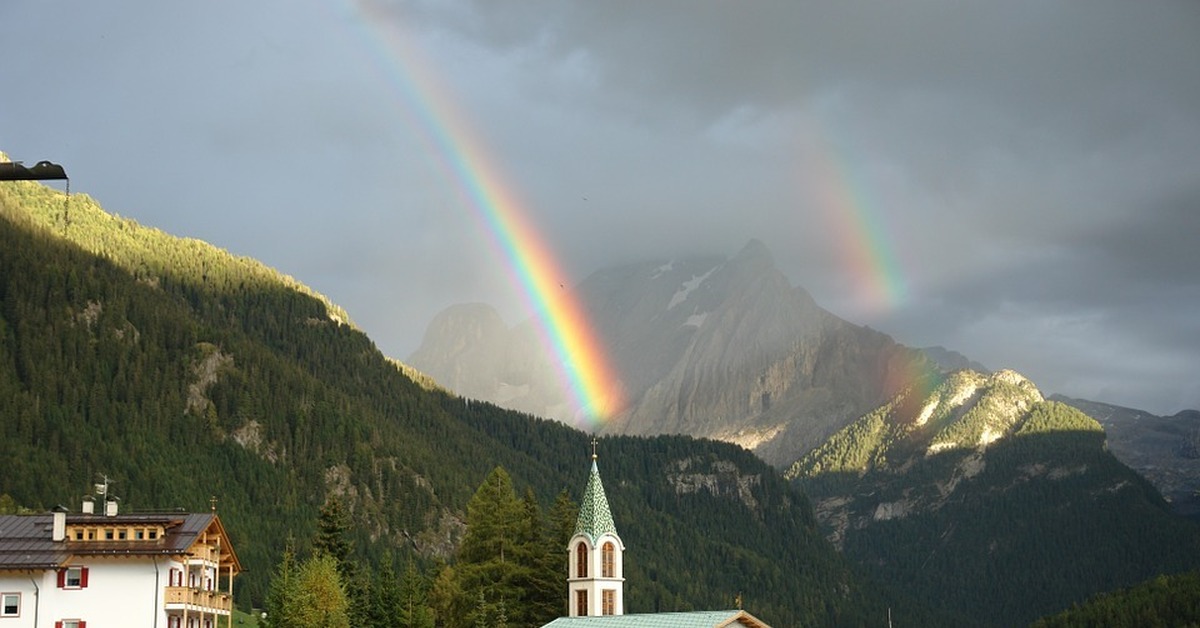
point(184, 372)
point(975, 494)
point(1161, 602)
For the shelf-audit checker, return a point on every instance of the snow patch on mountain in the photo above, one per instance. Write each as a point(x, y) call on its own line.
point(662, 270)
point(688, 287)
point(695, 320)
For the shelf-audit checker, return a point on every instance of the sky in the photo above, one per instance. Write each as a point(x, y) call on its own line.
point(1018, 181)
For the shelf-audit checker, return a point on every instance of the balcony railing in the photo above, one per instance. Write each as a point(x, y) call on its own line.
point(178, 597)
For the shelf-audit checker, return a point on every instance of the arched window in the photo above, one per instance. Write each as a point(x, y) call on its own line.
point(581, 560)
point(606, 560)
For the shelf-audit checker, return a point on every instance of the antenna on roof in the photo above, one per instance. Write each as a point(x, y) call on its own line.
point(101, 487)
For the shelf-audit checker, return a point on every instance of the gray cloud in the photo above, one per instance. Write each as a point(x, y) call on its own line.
point(1029, 165)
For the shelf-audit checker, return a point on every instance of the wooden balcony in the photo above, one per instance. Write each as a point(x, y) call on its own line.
point(179, 598)
point(205, 553)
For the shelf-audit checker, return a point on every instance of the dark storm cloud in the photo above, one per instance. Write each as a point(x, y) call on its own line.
point(1030, 165)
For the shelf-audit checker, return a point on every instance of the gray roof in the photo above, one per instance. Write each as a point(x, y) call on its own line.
point(694, 619)
point(26, 541)
point(594, 516)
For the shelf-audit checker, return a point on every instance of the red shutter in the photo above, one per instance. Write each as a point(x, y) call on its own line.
point(83, 573)
point(58, 624)
point(62, 582)
point(82, 624)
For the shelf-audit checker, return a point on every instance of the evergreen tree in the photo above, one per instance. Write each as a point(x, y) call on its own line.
point(332, 525)
point(385, 609)
point(282, 592)
point(447, 599)
point(488, 559)
point(540, 579)
point(414, 610)
point(563, 515)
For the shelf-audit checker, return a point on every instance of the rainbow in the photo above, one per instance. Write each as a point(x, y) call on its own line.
point(859, 228)
point(582, 363)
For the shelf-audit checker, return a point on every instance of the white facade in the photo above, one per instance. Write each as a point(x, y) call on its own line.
point(117, 593)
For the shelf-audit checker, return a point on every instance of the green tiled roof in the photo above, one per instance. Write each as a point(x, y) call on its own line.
point(698, 619)
point(594, 516)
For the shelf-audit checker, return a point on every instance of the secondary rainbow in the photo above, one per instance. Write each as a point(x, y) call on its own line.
point(582, 362)
point(860, 230)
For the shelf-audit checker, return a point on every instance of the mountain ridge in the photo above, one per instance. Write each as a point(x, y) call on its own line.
point(968, 481)
point(722, 348)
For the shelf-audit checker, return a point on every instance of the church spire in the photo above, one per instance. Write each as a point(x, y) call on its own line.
point(595, 518)
point(595, 578)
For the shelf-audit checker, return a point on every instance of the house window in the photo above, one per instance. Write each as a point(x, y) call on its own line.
point(153, 534)
point(79, 535)
point(10, 604)
point(121, 534)
point(581, 560)
point(173, 621)
point(581, 608)
point(73, 578)
point(139, 534)
point(606, 559)
point(608, 602)
point(108, 534)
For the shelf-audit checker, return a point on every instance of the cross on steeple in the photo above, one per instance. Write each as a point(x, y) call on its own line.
point(594, 443)
point(212, 503)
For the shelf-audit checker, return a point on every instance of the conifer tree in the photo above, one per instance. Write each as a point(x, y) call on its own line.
point(540, 580)
point(447, 599)
point(563, 515)
point(414, 611)
point(282, 592)
point(385, 595)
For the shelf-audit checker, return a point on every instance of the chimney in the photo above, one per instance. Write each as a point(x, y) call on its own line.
point(89, 505)
point(59, 531)
point(110, 507)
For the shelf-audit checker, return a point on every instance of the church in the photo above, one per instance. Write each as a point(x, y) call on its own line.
point(595, 576)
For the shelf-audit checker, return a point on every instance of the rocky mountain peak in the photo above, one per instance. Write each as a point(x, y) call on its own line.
point(723, 348)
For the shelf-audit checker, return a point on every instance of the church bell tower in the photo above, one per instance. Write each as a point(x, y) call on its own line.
point(595, 569)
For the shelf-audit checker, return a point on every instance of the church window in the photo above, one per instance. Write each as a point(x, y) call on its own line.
point(608, 602)
point(581, 561)
point(606, 560)
point(581, 607)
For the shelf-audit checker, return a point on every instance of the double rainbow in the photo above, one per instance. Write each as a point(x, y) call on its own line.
point(594, 390)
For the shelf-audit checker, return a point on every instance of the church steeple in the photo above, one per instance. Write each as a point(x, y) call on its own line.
point(595, 578)
point(595, 518)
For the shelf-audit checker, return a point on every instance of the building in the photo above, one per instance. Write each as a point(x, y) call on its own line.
point(694, 619)
point(595, 582)
point(152, 570)
point(595, 576)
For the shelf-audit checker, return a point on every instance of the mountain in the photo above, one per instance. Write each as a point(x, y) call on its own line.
point(1164, 449)
point(949, 361)
point(183, 372)
point(972, 491)
point(717, 348)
